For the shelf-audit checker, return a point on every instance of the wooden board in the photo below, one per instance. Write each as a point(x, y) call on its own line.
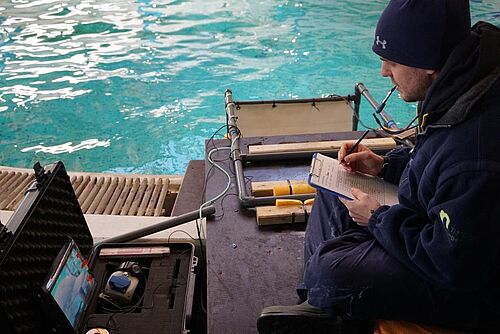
point(273, 215)
point(265, 188)
point(373, 143)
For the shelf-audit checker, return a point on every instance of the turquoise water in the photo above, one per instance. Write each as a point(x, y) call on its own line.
point(137, 86)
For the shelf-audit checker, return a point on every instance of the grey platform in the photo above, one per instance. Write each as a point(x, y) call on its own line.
point(249, 267)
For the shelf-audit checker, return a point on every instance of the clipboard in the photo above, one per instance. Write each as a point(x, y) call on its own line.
point(327, 174)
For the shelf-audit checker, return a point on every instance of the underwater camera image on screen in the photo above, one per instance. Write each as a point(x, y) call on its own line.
point(71, 284)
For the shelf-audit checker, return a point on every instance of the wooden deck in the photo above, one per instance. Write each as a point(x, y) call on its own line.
point(101, 193)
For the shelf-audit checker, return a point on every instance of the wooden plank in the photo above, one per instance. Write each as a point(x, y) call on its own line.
point(7, 188)
point(17, 192)
point(145, 199)
point(131, 195)
point(161, 200)
point(76, 180)
point(97, 198)
point(265, 188)
point(143, 184)
point(81, 185)
point(89, 194)
point(81, 188)
point(3, 175)
point(9, 185)
point(154, 197)
point(121, 197)
point(272, 215)
point(334, 145)
point(6, 178)
point(107, 196)
point(20, 195)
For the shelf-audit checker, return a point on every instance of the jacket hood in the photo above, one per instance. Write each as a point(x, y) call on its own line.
point(472, 68)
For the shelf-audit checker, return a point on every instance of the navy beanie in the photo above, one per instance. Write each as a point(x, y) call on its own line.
point(421, 33)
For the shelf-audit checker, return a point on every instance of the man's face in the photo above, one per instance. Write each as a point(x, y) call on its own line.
point(411, 82)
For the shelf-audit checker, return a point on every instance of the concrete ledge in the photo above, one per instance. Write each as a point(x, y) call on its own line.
point(106, 226)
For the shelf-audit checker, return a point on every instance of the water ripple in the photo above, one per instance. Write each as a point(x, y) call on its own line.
point(68, 147)
point(150, 75)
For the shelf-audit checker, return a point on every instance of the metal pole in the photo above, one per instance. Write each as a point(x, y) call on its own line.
point(234, 136)
point(388, 121)
point(175, 221)
point(355, 115)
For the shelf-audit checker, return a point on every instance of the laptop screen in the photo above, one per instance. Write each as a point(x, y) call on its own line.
point(70, 283)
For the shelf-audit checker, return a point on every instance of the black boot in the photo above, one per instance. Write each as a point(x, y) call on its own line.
point(303, 318)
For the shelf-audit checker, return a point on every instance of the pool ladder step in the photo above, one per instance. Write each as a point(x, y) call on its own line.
point(101, 193)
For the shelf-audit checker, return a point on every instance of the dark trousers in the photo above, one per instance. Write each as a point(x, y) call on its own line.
point(347, 273)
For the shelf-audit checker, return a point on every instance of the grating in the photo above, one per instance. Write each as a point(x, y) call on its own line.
point(99, 193)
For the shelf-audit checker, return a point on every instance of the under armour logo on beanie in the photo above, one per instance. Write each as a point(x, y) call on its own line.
point(421, 33)
point(379, 42)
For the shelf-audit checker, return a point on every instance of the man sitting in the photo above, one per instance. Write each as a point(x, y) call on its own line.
point(433, 258)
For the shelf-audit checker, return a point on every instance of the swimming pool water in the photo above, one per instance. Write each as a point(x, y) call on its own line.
point(137, 86)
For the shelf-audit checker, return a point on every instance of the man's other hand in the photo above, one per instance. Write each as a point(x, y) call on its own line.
point(361, 207)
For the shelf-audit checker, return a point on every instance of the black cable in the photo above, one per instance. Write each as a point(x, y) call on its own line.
point(211, 139)
point(354, 113)
point(395, 132)
point(182, 231)
point(219, 217)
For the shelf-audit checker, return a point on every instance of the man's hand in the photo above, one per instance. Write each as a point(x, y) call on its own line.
point(361, 207)
point(362, 160)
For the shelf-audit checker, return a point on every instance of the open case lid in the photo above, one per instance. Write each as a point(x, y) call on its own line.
point(48, 215)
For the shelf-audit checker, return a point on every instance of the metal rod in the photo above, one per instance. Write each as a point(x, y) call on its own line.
point(294, 101)
point(234, 136)
point(388, 121)
point(355, 115)
point(271, 200)
point(301, 155)
point(173, 222)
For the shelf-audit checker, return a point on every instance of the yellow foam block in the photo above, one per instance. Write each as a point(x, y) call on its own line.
point(302, 188)
point(309, 201)
point(296, 188)
point(280, 190)
point(288, 202)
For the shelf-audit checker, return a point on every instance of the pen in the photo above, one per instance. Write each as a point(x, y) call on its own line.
point(384, 101)
point(353, 147)
point(378, 111)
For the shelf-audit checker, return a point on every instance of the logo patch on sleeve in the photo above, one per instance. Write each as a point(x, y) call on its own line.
point(444, 218)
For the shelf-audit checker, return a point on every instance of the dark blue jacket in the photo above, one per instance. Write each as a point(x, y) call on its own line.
point(447, 225)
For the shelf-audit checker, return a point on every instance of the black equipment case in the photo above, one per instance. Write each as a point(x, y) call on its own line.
point(46, 219)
